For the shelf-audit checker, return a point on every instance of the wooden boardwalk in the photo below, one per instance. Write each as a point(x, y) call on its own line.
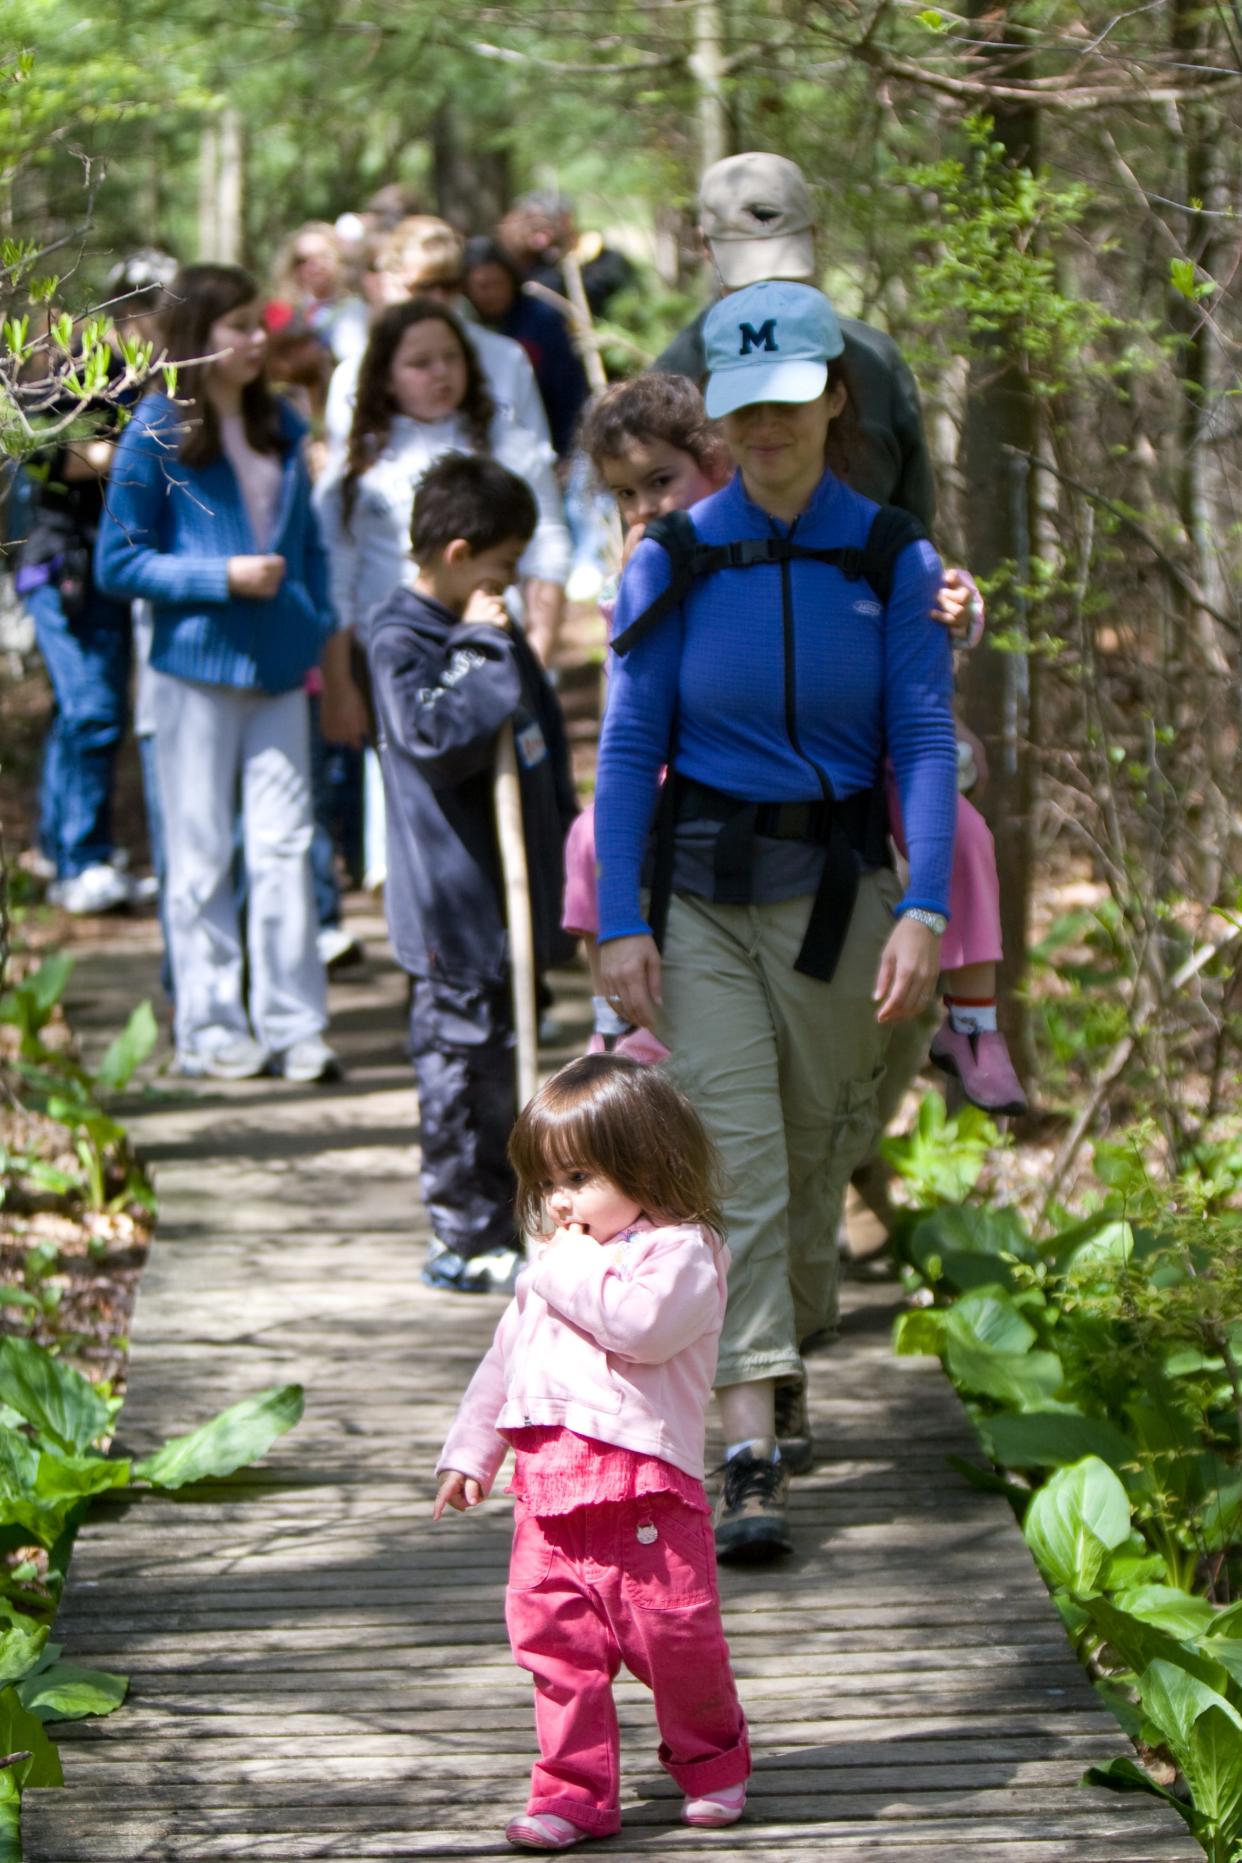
point(317, 1672)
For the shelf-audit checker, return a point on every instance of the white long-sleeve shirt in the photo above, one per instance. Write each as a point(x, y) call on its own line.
point(370, 556)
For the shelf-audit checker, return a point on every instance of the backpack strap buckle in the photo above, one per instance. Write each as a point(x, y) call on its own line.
point(746, 552)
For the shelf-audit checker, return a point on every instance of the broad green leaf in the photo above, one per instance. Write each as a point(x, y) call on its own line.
point(1227, 1623)
point(21, 1646)
point(1027, 1381)
point(1126, 1775)
point(1114, 1242)
point(67, 1693)
point(1213, 1766)
point(919, 1333)
point(130, 1049)
point(1075, 1521)
point(1173, 1699)
point(1182, 1615)
point(19, 1464)
point(975, 1229)
point(1050, 1439)
point(22, 1732)
point(1222, 1516)
point(235, 1438)
point(990, 1319)
point(1132, 1565)
point(1227, 1651)
point(53, 1397)
point(1141, 1644)
point(10, 1817)
point(1120, 1705)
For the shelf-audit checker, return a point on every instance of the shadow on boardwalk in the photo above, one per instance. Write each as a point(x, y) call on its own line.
point(317, 1672)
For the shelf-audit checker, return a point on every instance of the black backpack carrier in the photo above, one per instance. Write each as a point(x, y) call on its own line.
point(853, 831)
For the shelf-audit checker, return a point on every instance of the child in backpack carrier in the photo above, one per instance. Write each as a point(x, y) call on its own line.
point(599, 1378)
point(651, 443)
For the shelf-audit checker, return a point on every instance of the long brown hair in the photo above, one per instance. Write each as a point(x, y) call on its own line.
point(199, 296)
point(844, 430)
point(607, 1115)
point(374, 405)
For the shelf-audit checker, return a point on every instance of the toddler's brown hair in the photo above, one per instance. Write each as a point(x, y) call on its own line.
point(616, 1119)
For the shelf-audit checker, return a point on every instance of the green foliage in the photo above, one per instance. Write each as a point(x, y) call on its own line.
point(234, 1438)
point(1100, 1363)
point(56, 1085)
point(942, 1157)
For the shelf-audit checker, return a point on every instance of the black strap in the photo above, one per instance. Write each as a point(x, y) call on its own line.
point(892, 529)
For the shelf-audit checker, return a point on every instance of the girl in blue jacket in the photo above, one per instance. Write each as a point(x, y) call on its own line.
point(208, 517)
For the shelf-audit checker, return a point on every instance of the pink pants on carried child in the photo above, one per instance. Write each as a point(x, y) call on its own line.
point(974, 934)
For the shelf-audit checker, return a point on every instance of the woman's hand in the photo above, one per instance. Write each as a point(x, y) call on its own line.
point(959, 606)
point(256, 578)
point(458, 1491)
point(630, 968)
point(906, 980)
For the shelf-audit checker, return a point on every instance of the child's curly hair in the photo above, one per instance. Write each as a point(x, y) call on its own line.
point(652, 407)
point(608, 1115)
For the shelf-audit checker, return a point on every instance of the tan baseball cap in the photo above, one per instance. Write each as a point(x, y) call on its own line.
point(755, 213)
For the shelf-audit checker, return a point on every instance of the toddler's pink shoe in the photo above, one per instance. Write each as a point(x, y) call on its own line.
point(543, 1830)
point(715, 1809)
point(981, 1062)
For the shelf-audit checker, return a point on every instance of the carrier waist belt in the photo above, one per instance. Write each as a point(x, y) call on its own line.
point(852, 829)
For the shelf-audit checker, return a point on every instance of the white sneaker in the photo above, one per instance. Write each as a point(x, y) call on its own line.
point(96, 889)
point(239, 1058)
point(337, 947)
point(309, 1060)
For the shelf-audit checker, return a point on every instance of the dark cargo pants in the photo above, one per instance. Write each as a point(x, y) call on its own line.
point(461, 1044)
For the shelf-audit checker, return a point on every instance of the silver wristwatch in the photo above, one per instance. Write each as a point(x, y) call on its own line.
point(935, 922)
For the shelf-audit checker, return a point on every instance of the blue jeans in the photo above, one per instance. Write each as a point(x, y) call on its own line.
point(336, 790)
point(88, 664)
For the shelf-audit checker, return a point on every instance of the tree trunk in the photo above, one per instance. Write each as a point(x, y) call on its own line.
point(707, 64)
point(472, 185)
point(999, 689)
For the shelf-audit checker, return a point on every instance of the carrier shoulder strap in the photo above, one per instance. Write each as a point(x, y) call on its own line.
point(875, 563)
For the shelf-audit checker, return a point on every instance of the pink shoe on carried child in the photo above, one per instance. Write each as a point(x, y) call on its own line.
point(980, 1059)
point(639, 1044)
point(715, 1809)
point(543, 1830)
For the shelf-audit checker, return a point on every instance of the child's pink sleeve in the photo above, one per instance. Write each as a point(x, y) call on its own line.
point(581, 913)
point(474, 1447)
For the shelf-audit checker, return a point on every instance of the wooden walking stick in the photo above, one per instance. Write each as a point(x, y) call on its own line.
point(507, 797)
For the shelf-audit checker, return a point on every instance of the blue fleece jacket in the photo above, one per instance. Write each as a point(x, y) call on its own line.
point(754, 719)
point(167, 534)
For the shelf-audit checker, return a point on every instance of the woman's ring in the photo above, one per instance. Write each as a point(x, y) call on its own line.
point(614, 999)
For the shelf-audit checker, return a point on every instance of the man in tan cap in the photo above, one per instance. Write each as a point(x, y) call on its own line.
point(757, 222)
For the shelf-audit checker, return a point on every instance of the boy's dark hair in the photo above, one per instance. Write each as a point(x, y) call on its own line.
point(198, 297)
point(651, 407)
point(608, 1115)
point(473, 497)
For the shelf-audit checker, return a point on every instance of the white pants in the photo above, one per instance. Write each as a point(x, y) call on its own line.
point(207, 738)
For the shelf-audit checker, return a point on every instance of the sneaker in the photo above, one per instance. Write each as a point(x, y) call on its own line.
point(715, 1808)
point(981, 1062)
point(750, 1514)
point(543, 1830)
point(495, 1271)
point(240, 1058)
point(793, 1426)
point(337, 948)
point(308, 1061)
point(96, 889)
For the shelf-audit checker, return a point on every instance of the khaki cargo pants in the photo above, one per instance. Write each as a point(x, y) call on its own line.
point(785, 1072)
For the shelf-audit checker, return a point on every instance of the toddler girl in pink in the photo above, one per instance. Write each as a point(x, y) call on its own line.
point(651, 443)
point(599, 1378)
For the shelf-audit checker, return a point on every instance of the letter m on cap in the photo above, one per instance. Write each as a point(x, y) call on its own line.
point(762, 338)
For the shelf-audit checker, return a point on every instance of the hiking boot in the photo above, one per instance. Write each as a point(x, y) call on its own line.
point(750, 1514)
point(793, 1427)
point(980, 1060)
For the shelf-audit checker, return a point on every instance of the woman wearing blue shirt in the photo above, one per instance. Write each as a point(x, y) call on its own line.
point(774, 690)
point(208, 518)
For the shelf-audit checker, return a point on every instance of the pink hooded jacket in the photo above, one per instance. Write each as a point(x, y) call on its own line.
point(615, 1340)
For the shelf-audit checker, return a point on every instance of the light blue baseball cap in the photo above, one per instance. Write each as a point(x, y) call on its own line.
point(770, 342)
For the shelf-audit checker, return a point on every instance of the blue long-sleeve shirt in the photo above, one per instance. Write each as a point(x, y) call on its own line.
point(167, 533)
point(862, 682)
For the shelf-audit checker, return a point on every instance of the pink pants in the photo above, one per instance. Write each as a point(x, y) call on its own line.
point(630, 1582)
point(974, 934)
